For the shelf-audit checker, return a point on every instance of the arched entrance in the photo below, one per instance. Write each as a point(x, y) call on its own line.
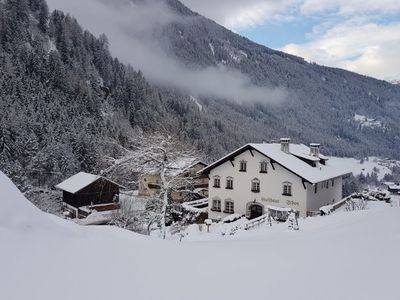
point(255, 210)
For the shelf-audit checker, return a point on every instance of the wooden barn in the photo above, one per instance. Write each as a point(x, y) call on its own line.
point(83, 193)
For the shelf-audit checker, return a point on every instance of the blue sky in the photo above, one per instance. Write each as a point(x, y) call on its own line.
point(278, 34)
point(359, 35)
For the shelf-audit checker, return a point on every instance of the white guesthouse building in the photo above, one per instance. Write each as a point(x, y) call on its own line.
point(257, 176)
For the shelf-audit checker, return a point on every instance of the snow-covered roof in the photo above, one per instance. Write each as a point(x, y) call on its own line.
point(394, 187)
point(79, 181)
point(175, 168)
point(193, 164)
point(291, 161)
point(302, 151)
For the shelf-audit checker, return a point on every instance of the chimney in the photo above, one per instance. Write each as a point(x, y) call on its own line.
point(285, 142)
point(314, 149)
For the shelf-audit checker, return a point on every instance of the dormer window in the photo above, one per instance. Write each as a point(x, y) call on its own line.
point(229, 183)
point(287, 189)
point(264, 167)
point(217, 182)
point(243, 166)
point(255, 185)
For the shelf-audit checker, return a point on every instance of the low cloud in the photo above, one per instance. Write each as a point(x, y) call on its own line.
point(132, 29)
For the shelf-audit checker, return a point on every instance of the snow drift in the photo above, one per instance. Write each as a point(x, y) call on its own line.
point(342, 256)
point(16, 211)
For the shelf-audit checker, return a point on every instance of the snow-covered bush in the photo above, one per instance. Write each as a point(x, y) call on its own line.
point(356, 204)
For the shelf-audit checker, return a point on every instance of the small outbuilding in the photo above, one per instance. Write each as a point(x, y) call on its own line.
point(83, 193)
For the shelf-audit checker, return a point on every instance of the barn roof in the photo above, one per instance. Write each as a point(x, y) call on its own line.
point(79, 181)
point(290, 161)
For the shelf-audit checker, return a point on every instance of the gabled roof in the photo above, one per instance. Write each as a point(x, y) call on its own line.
point(175, 168)
point(289, 161)
point(197, 162)
point(79, 181)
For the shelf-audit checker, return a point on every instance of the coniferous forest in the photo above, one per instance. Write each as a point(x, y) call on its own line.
point(66, 102)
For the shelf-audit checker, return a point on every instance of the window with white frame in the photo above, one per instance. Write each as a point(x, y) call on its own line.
point(264, 167)
point(255, 185)
point(287, 189)
point(243, 166)
point(229, 183)
point(229, 207)
point(216, 205)
point(217, 181)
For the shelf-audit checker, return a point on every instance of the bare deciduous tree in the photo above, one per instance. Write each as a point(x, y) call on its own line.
point(165, 156)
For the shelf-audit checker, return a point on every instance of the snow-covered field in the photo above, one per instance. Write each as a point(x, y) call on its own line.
point(367, 167)
point(348, 255)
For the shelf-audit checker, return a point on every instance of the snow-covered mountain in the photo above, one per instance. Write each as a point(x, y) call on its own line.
point(66, 103)
point(236, 80)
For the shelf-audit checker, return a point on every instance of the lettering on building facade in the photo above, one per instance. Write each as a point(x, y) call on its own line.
point(270, 200)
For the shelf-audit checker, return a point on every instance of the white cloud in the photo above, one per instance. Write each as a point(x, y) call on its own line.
point(356, 45)
point(239, 14)
point(346, 7)
point(360, 43)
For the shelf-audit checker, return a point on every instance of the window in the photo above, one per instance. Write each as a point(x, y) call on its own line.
point(333, 182)
point(229, 207)
point(255, 185)
point(216, 205)
point(287, 189)
point(315, 188)
point(243, 166)
point(264, 167)
point(217, 181)
point(229, 183)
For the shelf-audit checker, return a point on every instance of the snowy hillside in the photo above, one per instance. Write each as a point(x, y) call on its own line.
point(342, 256)
point(367, 122)
point(366, 167)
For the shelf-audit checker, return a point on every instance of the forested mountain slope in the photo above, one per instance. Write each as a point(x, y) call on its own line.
point(65, 102)
point(322, 101)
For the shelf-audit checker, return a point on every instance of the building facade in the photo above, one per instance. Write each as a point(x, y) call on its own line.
point(260, 176)
point(193, 183)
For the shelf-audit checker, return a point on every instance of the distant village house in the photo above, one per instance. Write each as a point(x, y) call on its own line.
point(150, 184)
point(393, 188)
